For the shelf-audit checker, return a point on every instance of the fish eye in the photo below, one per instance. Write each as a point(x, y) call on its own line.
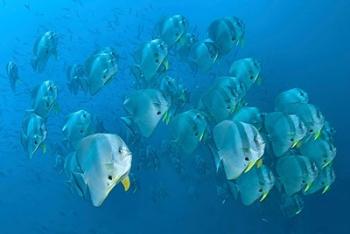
point(251, 77)
point(196, 134)
point(260, 190)
point(233, 38)
point(177, 34)
point(292, 140)
point(311, 130)
point(157, 60)
point(158, 113)
point(246, 158)
point(110, 177)
point(81, 130)
point(120, 150)
point(303, 181)
point(35, 142)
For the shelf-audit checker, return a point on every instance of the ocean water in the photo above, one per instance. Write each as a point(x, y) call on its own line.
point(300, 43)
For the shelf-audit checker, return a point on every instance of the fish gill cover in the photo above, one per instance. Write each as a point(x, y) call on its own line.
point(137, 117)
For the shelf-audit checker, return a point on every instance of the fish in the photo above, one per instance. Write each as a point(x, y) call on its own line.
point(188, 130)
point(250, 115)
point(44, 48)
point(44, 98)
point(285, 132)
point(102, 161)
point(291, 96)
point(151, 61)
point(145, 109)
point(203, 55)
point(100, 68)
point(291, 205)
point(319, 151)
point(222, 99)
point(328, 132)
point(184, 45)
point(227, 33)
point(78, 125)
point(33, 134)
point(247, 70)
point(12, 74)
point(76, 79)
point(175, 94)
point(323, 181)
point(254, 185)
point(296, 173)
point(172, 29)
point(238, 146)
point(310, 115)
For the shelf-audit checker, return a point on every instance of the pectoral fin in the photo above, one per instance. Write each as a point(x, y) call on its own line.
point(126, 183)
point(44, 148)
point(264, 196)
point(326, 189)
point(317, 135)
point(250, 166)
point(308, 186)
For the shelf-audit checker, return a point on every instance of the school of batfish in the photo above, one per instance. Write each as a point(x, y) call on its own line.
point(290, 149)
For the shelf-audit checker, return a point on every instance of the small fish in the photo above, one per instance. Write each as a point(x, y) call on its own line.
point(100, 69)
point(188, 129)
point(247, 70)
point(145, 109)
point(33, 134)
point(44, 98)
point(44, 48)
point(12, 73)
point(172, 29)
point(227, 33)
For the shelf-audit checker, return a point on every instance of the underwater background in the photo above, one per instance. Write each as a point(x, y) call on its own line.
point(300, 43)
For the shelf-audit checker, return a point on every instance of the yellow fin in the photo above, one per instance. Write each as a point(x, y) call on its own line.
point(264, 196)
point(167, 121)
point(57, 108)
point(249, 167)
point(44, 148)
point(295, 144)
point(259, 163)
point(326, 189)
point(126, 183)
point(166, 64)
point(165, 117)
point(201, 137)
point(317, 135)
point(308, 186)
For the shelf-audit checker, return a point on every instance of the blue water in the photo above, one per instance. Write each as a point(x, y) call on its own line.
point(299, 43)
